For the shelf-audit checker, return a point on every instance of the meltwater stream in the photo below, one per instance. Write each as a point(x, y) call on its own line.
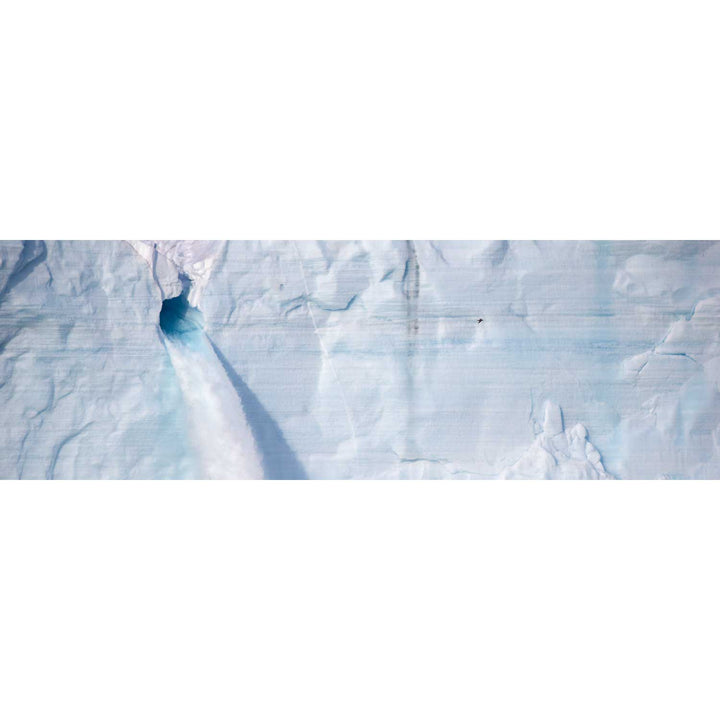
point(219, 429)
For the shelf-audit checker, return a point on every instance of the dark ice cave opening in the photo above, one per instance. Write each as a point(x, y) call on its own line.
point(178, 316)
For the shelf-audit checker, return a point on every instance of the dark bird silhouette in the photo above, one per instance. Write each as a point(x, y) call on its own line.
point(479, 321)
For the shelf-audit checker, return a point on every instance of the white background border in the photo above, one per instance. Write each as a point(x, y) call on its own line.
point(356, 600)
point(342, 120)
point(379, 119)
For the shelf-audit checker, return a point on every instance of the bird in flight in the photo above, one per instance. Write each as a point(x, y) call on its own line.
point(479, 321)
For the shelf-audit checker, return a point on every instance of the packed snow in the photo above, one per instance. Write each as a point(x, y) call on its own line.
point(182, 359)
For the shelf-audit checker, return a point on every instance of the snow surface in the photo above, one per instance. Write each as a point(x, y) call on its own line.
point(361, 359)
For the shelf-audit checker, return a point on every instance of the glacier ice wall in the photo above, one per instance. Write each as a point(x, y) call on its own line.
point(360, 359)
point(86, 385)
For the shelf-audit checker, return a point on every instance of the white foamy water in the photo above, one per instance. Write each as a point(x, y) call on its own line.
point(219, 429)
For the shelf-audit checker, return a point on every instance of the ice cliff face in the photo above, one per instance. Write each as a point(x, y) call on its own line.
point(86, 386)
point(352, 359)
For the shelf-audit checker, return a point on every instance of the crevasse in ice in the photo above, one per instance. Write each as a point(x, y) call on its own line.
point(181, 359)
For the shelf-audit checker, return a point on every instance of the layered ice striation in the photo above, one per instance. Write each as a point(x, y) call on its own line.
point(187, 359)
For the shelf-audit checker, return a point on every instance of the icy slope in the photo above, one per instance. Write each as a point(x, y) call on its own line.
point(558, 454)
point(338, 359)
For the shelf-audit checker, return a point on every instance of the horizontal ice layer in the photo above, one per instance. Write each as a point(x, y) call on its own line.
point(367, 359)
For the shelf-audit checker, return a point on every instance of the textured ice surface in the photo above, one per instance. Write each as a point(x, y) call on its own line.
point(361, 360)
